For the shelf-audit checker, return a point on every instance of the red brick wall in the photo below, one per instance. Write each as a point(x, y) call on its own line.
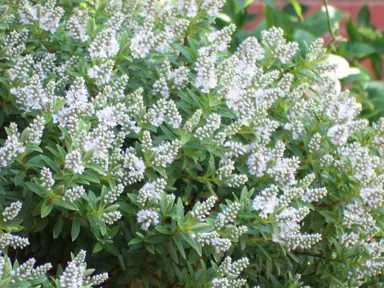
point(351, 7)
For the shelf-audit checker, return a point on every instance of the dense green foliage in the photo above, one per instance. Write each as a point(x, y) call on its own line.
point(134, 131)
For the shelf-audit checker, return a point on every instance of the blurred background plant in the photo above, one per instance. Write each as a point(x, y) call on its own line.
point(358, 53)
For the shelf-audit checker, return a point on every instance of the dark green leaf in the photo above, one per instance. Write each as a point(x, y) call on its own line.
point(75, 231)
point(46, 208)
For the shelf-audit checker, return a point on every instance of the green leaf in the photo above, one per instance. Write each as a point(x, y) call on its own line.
point(58, 228)
point(264, 251)
point(50, 163)
point(36, 189)
point(75, 230)
point(363, 16)
point(135, 241)
point(211, 166)
point(90, 176)
point(172, 251)
point(356, 49)
point(180, 208)
point(13, 228)
point(164, 230)
point(46, 208)
point(193, 243)
point(156, 239)
point(2, 191)
point(376, 62)
point(317, 22)
point(64, 204)
point(268, 268)
point(329, 216)
point(19, 177)
point(97, 248)
point(353, 32)
point(296, 5)
point(268, 14)
point(161, 171)
point(111, 248)
point(179, 244)
point(33, 148)
point(304, 38)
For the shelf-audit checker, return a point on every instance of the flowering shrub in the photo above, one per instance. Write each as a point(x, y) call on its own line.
point(132, 133)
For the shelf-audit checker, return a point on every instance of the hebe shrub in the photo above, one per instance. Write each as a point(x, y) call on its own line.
point(133, 134)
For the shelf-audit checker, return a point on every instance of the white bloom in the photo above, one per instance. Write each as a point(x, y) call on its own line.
point(147, 218)
point(50, 16)
point(108, 116)
point(102, 73)
point(11, 211)
point(105, 44)
point(266, 201)
point(73, 162)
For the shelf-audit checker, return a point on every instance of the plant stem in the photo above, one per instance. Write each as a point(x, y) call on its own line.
point(329, 20)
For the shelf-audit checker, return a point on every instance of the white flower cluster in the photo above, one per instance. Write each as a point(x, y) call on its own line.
point(46, 178)
point(271, 162)
point(98, 142)
point(163, 110)
point(11, 211)
point(280, 49)
point(147, 217)
point(213, 238)
point(112, 195)
point(226, 167)
point(18, 273)
point(74, 162)
point(225, 225)
point(206, 74)
point(105, 44)
point(48, 15)
point(165, 153)
point(228, 215)
point(356, 215)
point(176, 78)
point(151, 191)
point(111, 217)
point(201, 210)
point(12, 146)
point(7, 239)
point(73, 194)
point(26, 271)
point(148, 35)
point(212, 124)
point(341, 110)
point(133, 168)
point(190, 8)
point(314, 194)
point(289, 229)
point(193, 121)
point(228, 273)
point(14, 42)
point(266, 201)
point(35, 130)
point(76, 24)
point(75, 274)
point(101, 74)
